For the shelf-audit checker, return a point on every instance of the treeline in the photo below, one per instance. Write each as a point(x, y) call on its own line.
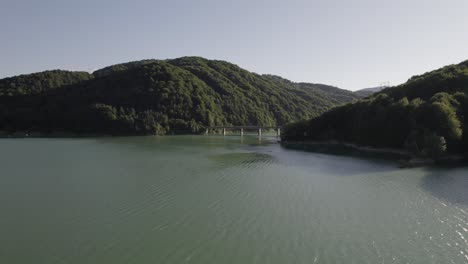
point(428, 116)
point(158, 97)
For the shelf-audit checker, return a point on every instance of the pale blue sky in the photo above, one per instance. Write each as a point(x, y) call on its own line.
point(350, 44)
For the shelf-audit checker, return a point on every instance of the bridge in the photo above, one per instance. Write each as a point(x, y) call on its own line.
point(242, 128)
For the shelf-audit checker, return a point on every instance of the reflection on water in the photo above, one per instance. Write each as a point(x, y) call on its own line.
point(341, 150)
point(214, 199)
point(448, 184)
point(247, 159)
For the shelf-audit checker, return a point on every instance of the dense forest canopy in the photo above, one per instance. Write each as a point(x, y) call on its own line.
point(158, 97)
point(428, 115)
point(41, 82)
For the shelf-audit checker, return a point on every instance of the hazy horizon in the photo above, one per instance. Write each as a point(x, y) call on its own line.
point(349, 45)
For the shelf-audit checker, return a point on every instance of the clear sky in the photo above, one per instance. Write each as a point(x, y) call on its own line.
point(352, 44)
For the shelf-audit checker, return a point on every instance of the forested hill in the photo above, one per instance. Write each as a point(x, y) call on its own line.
point(158, 97)
point(41, 82)
point(427, 115)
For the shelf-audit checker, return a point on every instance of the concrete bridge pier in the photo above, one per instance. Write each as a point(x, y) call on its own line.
point(259, 131)
point(242, 132)
point(224, 131)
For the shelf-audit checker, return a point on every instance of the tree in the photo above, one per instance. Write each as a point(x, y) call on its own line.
point(434, 146)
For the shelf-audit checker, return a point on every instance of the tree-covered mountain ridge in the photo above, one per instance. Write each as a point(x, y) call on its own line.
point(427, 115)
point(158, 97)
point(369, 91)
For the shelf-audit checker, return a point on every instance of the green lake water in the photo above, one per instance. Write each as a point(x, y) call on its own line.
point(208, 199)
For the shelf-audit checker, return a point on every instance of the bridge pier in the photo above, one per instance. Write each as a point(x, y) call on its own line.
point(259, 131)
point(224, 131)
point(278, 132)
point(242, 132)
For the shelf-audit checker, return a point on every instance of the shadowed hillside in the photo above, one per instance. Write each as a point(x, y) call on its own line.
point(428, 115)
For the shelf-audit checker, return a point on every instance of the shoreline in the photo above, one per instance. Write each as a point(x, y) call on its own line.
point(62, 134)
point(49, 135)
point(405, 158)
point(351, 146)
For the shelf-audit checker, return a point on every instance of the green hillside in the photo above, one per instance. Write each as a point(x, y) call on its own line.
point(158, 97)
point(427, 115)
point(41, 82)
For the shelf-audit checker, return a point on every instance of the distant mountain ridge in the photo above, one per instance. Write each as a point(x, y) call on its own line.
point(369, 91)
point(158, 97)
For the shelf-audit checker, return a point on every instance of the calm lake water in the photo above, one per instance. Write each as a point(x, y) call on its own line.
point(203, 199)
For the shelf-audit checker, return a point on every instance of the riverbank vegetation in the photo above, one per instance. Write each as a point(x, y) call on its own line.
point(428, 116)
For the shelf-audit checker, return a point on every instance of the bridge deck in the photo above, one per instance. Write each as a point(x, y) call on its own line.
point(244, 127)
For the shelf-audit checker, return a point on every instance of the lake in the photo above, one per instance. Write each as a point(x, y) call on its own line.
point(212, 199)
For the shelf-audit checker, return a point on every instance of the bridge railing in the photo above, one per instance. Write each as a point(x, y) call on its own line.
point(242, 128)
